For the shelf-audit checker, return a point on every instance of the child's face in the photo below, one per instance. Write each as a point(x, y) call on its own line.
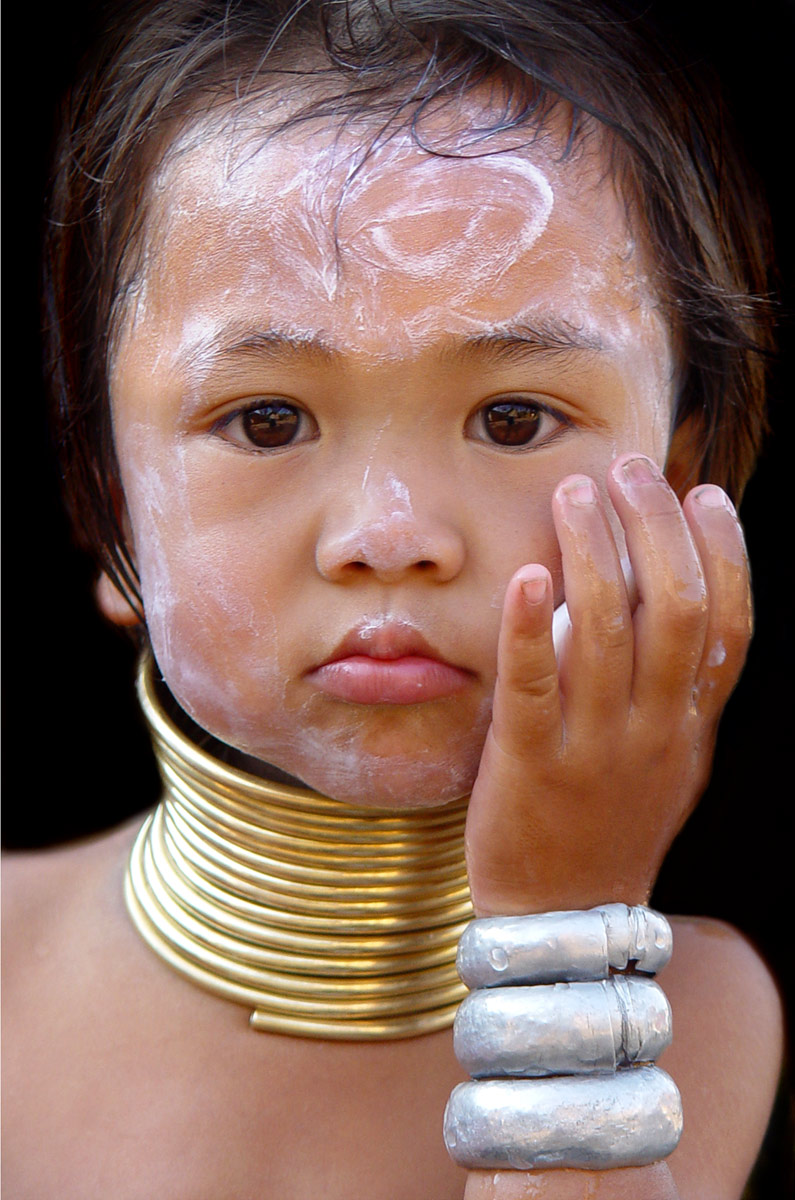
point(339, 454)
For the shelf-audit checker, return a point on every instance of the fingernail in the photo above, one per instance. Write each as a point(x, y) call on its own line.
point(534, 588)
point(711, 496)
point(579, 491)
point(644, 486)
point(639, 470)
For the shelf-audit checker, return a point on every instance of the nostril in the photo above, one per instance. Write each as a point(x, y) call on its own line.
point(390, 551)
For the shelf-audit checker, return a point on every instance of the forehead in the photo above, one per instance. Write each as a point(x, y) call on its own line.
point(387, 246)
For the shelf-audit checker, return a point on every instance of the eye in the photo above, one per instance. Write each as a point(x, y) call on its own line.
point(513, 422)
point(268, 425)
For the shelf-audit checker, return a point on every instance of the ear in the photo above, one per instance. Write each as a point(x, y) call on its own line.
point(113, 604)
point(684, 456)
point(110, 599)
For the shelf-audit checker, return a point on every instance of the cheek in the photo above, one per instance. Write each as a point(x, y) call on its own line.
point(516, 527)
point(207, 604)
point(218, 649)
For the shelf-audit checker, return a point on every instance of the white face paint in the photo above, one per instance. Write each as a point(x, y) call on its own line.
point(454, 227)
point(385, 306)
point(501, 205)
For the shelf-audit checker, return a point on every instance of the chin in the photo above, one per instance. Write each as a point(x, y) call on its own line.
point(370, 781)
point(417, 757)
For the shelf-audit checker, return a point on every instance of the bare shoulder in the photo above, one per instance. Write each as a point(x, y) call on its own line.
point(725, 1057)
point(49, 902)
point(720, 982)
point(32, 880)
point(65, 950)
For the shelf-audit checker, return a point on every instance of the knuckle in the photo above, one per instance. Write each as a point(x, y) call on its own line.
point(666, 508)
point(685, 616)
point(542, 686)
point(610, 631)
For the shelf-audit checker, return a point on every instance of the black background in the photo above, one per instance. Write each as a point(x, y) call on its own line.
point(76, 756)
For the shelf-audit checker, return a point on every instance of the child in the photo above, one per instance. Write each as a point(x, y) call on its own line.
point(395, 339)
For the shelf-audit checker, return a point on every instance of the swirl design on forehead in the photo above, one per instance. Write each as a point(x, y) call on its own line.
point(489, 212)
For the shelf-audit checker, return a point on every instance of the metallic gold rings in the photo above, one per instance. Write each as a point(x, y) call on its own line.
point(327, 920)
point(628, 1119)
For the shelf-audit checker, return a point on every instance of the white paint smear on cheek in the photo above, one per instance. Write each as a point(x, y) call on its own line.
point(156, 507)
point(214, 642)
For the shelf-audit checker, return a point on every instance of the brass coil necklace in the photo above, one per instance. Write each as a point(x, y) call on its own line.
point(327, 920)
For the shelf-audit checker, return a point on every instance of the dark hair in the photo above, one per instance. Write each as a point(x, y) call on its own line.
point(160, 61)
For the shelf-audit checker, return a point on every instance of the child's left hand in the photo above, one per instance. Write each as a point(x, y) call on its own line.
point(591, 766)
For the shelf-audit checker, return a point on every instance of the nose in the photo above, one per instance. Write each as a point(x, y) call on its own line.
point(383, 530)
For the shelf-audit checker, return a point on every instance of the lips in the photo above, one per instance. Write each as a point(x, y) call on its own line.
point(387, 664)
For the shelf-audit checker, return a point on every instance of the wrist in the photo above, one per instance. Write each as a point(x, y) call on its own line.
point(557, 892)
point(654, 1182)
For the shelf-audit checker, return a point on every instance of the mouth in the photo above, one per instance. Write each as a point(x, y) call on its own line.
point(389, 663)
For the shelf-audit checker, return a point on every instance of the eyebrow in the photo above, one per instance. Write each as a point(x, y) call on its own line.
point(502, 343)
point(520, 340)
point(235, 342)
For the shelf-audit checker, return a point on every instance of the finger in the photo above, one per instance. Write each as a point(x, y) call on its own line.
point(596, 670)
point(670, 621)
point(718, 536)
point(526, 719)
point(523, 738)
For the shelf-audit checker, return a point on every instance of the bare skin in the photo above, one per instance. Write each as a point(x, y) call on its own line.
point(123, 1080)
point(633, 709)
point(395, 506)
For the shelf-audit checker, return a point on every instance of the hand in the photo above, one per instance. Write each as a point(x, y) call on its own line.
point(631, 1183)
point(591, 768)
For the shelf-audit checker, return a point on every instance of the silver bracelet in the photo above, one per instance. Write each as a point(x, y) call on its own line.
point(557, 1035)
point(561, 1028)
point(563, 946)
point(626, 1119)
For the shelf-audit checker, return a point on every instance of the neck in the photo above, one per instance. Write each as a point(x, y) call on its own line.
point(326, 920)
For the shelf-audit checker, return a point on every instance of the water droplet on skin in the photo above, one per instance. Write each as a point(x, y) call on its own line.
point(498, 958)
